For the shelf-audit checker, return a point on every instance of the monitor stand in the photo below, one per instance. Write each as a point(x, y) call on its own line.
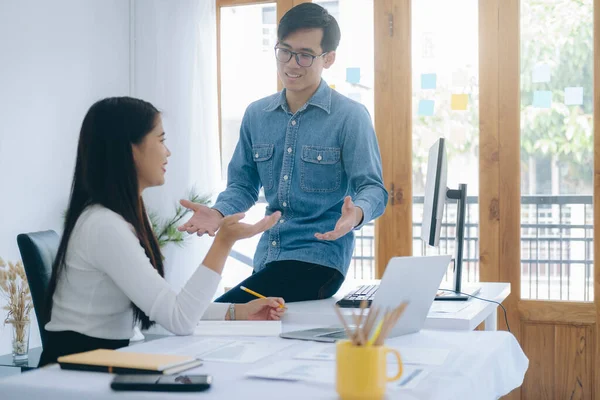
point(457, 290)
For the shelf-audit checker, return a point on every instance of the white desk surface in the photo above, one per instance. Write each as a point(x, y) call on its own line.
point(321, 311)
point(480, 366)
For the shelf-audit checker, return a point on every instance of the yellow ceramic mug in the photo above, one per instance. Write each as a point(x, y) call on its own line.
point(361, 371)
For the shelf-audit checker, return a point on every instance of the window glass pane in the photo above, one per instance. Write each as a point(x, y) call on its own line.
point(557, 150)
point(248, 73)
point(248, 70)
point(445, 79)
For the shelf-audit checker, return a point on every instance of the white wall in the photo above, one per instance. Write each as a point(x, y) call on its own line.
point(56, 59)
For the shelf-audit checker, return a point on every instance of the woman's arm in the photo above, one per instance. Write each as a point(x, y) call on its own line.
point(114, 248)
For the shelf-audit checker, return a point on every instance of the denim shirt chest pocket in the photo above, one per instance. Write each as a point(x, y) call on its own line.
point(262, 154)
point(321, 169)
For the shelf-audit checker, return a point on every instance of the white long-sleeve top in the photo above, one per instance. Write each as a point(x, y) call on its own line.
point(106, 269)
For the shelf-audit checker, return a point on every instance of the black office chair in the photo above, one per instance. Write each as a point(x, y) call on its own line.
point(38, 250)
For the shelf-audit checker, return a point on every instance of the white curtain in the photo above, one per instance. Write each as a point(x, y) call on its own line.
point(174, 67)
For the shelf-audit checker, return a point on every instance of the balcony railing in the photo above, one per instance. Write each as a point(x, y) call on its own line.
point(556, 245)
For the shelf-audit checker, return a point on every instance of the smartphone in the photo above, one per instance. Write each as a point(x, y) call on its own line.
point(162, 383)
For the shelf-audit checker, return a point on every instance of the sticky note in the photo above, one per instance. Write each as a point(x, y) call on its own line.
point(332, 86)
point(353, 75)
point(573, 96)
point(541, 73)
point(428, 81)
point(542, 99)
point(458, 102)
point(460, 78)
point(426, 108)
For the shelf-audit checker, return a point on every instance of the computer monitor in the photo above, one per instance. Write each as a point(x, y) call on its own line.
point(436, 195)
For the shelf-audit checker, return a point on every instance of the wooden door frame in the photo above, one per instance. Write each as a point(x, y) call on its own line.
point(393, 124)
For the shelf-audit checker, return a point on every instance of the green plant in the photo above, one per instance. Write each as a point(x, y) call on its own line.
point(165, 229)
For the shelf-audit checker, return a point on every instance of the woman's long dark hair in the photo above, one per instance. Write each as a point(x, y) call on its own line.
point(105, 174)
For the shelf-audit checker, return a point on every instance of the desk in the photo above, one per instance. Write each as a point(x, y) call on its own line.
point(480, 366)
point(33, 359)
point(467, 319)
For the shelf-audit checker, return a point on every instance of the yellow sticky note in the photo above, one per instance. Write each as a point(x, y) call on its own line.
point(332, 86)
point(459, 102)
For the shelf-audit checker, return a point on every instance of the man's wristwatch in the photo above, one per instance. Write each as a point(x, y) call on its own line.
point(232, 312)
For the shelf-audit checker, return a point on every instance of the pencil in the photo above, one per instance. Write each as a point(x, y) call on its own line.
point(252, 292)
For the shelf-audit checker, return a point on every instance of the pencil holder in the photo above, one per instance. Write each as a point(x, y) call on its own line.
point(361, 371)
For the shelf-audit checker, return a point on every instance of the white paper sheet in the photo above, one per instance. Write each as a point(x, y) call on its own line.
point(409, 355)
point(324, 372)
point(238, 328)
point(448, 307)
point(245, 351)
point(224, 350)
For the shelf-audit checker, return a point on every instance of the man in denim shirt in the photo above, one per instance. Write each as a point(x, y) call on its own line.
point(316, 155)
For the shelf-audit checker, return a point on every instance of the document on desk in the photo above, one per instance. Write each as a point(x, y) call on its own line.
point(320, 372)
point(448, 307)
point(409, 355)
point(245, 351)
point(238, 328)
point(208, 349)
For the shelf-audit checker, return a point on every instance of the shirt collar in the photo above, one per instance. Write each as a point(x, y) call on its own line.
point(321, 99)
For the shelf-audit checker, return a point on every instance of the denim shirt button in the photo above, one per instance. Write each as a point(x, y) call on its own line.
point(289, 149)
point(294, 123)
point(284, 204)
point(285, 177)
point(274, 243)
point(319, 158)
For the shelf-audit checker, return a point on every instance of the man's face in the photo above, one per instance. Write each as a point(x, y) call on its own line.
point(297, 77)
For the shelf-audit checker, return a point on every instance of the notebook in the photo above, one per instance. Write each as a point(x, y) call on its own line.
point(121, 362)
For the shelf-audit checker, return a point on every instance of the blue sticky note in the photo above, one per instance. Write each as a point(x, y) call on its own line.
point(426, 108)
point(353, 75)
point(542, 99)
point(428, 81)
point(574, 96)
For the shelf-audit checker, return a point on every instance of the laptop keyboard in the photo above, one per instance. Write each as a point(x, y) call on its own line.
point(354, 298)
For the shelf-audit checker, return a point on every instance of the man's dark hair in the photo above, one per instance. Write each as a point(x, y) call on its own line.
point(310, 16)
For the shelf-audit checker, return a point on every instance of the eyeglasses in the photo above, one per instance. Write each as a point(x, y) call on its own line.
point(303, 59)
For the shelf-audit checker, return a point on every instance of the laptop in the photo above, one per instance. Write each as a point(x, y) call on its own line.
point(412, 279)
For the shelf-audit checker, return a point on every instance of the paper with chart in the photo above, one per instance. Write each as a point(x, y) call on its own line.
point(238, 328)
point(223, 350)
point(245, 351)
point(409, 355)
point(324, 372)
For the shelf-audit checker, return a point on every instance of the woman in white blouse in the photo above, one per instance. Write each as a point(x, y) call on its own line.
point(108, 273)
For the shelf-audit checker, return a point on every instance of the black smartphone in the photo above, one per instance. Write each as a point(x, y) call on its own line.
point(162, 383)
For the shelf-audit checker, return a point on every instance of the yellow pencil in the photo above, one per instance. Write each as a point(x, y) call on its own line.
point(376, 334)
point(252, 292)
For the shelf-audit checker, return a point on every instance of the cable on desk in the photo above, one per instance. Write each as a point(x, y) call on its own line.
point(480, 298)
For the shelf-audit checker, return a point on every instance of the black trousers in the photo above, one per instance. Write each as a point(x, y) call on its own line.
point(292, 280)
point(68, 342)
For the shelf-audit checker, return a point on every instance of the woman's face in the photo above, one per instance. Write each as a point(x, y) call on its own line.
point(150, 157)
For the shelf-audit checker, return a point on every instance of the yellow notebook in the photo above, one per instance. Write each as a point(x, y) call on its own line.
point(121, 362)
